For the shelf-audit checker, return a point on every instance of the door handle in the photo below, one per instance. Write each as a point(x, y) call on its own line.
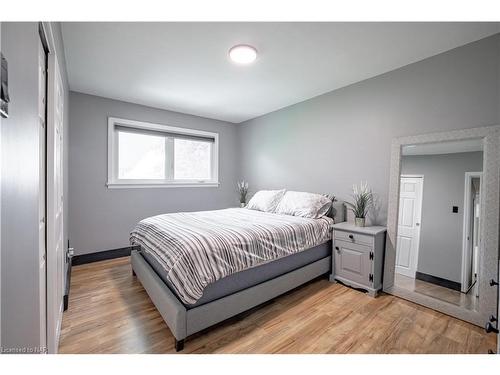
point(417, 224)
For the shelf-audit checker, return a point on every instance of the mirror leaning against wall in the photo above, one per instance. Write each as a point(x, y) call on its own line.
point(442, 246)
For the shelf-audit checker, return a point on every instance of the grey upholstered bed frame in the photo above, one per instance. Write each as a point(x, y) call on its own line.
point(184, 321)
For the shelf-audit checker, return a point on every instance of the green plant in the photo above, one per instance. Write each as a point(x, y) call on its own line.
point(243, 190)
point(363, 199)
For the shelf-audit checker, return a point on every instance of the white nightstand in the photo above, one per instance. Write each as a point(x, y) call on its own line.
point(358, 256)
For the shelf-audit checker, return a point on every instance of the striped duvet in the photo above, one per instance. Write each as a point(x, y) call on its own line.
point(199, 248)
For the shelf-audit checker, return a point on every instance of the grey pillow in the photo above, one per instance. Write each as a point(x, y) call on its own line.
point(330, 212)
point(266, 200)
point(303, 204)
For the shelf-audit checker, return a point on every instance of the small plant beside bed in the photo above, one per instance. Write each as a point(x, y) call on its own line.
point(363, 200)
point(243, 191)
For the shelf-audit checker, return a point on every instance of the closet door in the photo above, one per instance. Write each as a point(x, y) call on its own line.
point(42, 228)
point(55, 200)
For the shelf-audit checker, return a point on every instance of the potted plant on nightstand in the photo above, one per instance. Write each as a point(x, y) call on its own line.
point(363, 199)
point(243, 191)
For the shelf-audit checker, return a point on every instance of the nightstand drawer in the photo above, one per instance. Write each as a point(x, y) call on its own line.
point(353, 237)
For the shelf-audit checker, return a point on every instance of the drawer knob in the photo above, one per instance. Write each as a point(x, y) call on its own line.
point(337, 248)
point(351, 236)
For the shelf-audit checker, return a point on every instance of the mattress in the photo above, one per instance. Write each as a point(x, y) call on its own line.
point(196, 249)
point(250, 277)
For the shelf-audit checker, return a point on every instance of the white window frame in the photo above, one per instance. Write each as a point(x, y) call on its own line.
point(114, 182)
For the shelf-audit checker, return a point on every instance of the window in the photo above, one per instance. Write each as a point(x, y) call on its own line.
point(153, 155)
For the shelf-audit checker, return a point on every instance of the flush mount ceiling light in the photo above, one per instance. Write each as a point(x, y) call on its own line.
point(243, 54)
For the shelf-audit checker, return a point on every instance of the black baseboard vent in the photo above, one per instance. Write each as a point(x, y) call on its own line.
point(438, 281)
point(103, 255)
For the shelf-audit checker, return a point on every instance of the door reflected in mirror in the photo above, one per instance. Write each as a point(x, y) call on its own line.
point(438, 235)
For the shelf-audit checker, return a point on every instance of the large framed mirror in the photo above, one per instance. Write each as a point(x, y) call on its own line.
point(442, 245)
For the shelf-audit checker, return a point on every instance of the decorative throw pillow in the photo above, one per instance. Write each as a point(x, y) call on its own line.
point(266, 200)
point(333, 199)
point(304, 204)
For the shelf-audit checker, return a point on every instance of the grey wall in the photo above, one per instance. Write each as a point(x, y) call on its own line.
point(101, 218)
point(20, 194)
point(20, 308)
point(329, 142)
point(440, 252)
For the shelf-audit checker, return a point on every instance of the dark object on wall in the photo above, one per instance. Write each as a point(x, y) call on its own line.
point(4, 87)
point(455, 209)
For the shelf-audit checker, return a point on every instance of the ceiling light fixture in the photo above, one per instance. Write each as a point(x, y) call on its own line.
point(243, 54)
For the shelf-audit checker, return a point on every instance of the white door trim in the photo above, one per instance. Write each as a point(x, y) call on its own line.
point(466, 224)
point(55, 284)
point(42, 214)
point(414, 260)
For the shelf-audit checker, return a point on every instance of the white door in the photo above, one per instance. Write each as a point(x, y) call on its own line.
point(55, 240)
point(407, 240)
point(42, 97)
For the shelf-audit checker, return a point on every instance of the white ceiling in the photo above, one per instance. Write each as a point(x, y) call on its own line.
point(438, 148)
point(185, 67)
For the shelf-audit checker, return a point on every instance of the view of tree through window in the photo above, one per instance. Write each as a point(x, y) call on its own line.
point(141, 156)
point(191, 159)
point(154, 156)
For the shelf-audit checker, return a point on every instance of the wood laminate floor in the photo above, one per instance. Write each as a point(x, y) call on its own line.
point(110, 312)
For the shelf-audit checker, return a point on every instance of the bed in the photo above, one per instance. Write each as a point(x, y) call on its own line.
point(200, 268)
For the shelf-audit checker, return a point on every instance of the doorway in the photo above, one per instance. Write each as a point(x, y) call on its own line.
point(471, 239)
point(437, 237)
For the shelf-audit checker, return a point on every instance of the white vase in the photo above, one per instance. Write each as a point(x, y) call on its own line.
point(359, 221)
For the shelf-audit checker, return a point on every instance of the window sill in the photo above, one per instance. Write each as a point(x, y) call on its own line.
point(120, 185)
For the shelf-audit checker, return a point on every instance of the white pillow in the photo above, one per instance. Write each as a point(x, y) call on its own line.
point(303, 204)
point(266, 200)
